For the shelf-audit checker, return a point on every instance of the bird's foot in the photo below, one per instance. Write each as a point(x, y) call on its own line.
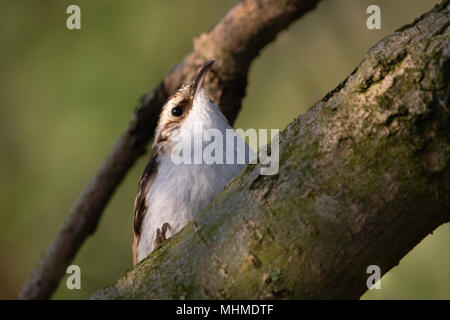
point(161, 234)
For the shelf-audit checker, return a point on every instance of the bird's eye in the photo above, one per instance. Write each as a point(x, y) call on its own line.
point(177, 111)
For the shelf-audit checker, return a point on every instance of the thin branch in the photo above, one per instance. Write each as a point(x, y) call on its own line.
point(233, 42)
point(364, 177)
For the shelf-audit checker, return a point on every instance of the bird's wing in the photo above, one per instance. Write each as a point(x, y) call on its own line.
point(140, 205)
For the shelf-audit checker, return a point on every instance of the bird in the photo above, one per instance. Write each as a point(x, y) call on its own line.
point(171, 194)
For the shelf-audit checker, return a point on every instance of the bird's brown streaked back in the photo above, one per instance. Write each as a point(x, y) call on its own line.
point(140, 206)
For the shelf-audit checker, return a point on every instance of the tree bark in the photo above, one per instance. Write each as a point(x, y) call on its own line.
point(233, 42)
point(364, 176)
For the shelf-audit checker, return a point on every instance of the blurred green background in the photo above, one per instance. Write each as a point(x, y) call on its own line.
point(66, 96)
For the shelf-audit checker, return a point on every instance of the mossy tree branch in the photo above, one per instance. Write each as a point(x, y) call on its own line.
point(364, 177)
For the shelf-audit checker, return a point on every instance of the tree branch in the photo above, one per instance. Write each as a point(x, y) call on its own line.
point(234, 42)
point(364, 177)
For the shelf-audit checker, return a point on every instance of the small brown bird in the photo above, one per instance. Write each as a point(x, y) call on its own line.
point(170, 193)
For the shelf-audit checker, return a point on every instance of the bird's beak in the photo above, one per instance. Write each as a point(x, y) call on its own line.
point(200, 79)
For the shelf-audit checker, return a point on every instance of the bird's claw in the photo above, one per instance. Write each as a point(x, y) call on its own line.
point(161, 234)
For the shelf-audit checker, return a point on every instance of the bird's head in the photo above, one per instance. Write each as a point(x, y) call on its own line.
point(186, 108)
